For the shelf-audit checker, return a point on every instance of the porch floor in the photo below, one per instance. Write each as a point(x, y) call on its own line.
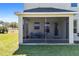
point(46, 41)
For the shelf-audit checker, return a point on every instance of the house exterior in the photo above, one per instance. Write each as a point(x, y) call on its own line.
point(1, 25)
point(49, 23)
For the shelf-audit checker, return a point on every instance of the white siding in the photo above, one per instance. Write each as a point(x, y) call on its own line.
point(55, 5)
point(36, 5)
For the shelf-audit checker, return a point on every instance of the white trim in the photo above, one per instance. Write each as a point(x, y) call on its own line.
point(54, 14)
point(71, 33)
point(46, 15)
point(48, 44)
point(17, 13)
point(78, 26)
point(20, 29)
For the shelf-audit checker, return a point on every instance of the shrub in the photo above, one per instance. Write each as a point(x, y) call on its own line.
point(3, 29)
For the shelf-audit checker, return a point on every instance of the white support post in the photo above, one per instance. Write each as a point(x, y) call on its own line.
point(71, 33)
point(20, 23)
point(78, 25)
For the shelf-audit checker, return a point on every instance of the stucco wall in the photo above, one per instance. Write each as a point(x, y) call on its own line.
point(31, 24)
point(55, 5)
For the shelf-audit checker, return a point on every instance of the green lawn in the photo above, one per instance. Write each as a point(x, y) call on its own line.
point(48, 50)
point(8, 43)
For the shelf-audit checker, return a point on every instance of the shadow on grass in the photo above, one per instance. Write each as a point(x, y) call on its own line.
point(48, 50)
point(21, 51)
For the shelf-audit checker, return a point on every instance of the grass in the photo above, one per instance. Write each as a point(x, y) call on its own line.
point(48, 50)
point(8, 43)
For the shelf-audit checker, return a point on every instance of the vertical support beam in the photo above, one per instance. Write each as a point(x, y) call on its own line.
point(71, 33)
point(45, 29)
point(20, 23)
point(78, 25)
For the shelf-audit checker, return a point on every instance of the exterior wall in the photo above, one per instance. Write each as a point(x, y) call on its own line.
point(31, 24)
point(47, 15)
point(61, 26)
point(55, 5)
point(66, 6)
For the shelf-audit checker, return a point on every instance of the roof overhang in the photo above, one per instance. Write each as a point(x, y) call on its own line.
point(45, 14)
point(17, 13)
